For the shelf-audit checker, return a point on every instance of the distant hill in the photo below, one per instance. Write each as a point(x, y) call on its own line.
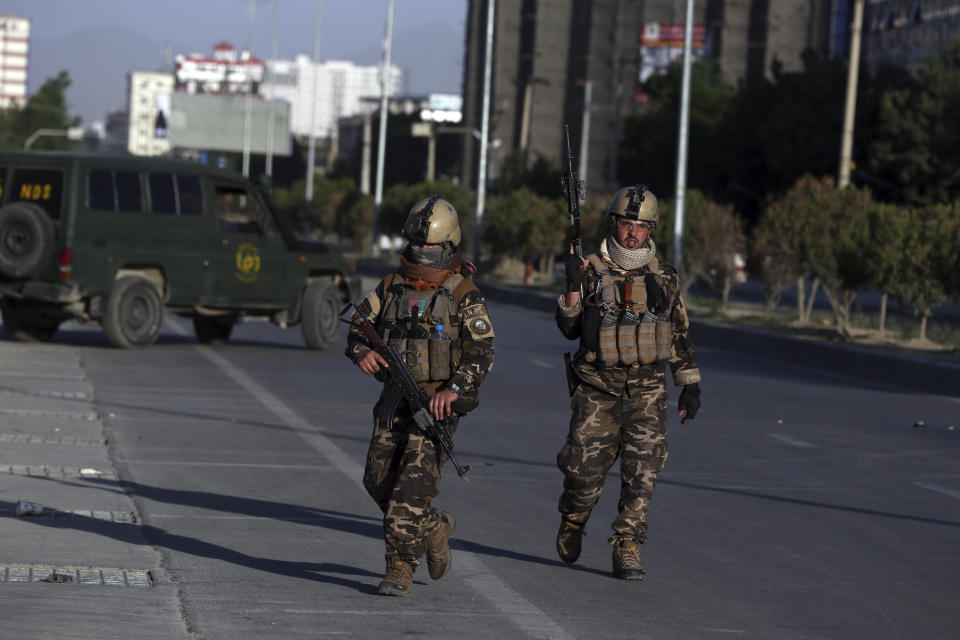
point(98, 61)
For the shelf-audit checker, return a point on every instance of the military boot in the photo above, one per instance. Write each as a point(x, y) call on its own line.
point(438, 550)
point(399, 578)
point(569, 539)
point(626, 560)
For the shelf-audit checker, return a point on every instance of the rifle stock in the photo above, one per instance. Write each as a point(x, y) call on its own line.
point(398, 374)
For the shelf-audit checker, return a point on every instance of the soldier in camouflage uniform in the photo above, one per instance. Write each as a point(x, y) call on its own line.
point(630, 321)
point(433, 314)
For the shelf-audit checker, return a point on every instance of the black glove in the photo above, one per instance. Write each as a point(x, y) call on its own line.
point(689, 402)
point(656, 298)
point(574, 272)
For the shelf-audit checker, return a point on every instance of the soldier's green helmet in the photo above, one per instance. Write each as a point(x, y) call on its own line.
point(432, 221)
point(637, 203)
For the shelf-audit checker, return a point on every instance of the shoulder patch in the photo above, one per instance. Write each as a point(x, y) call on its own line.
point(480, 326)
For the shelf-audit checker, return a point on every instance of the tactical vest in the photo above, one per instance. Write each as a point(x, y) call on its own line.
point(411, 321)
point(618, 328)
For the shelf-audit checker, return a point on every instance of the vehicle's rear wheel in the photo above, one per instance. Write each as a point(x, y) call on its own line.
point(27, 240)
point(133, 313)
point(319, 317)
point(213, 329)
point(27, 326)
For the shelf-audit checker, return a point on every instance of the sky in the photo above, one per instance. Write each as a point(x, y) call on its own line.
point(98, 41)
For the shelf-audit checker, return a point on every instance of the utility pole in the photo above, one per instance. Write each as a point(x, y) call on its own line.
point(484, 132)
point(311, 153)
point(385, 77)
point(850, 108)
point(677, 257)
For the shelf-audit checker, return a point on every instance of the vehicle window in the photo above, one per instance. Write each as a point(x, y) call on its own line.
point(237, 210)
point(191, 195)
point(43, 187)
point(128, 191)
point(162, 199)
point(100, 190)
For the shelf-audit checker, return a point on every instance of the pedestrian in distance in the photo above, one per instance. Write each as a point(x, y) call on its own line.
point(431, 312)
point(624, 306)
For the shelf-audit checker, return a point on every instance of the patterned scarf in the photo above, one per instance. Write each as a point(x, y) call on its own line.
point(422, 277)
point(628, 259)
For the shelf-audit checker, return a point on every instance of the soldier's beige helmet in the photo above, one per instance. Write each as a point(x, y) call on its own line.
point(636, 203)
point(432, 221)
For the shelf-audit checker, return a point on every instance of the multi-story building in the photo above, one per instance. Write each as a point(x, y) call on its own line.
point(225, 72)
point(149, 112)
point(320, 94)
point(544, 54)
point(14, 55)
point(905, 32)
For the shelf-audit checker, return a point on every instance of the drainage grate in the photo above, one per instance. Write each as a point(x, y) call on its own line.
point(80, 575)
point(60, 472)
point(23, 438)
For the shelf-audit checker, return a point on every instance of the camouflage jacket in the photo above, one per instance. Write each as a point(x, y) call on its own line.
point(473, 347)
point(618, 379)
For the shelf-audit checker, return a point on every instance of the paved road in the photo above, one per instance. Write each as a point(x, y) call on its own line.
point(798, 505)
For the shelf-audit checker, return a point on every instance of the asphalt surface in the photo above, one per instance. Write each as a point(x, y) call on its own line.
point(206, 492)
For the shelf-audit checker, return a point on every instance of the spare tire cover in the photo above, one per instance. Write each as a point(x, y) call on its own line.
point(26, 240)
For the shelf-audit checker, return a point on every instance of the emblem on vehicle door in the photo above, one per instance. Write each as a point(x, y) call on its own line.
point(248, 262)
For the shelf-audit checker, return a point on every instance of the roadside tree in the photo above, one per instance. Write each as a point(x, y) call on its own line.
point(524, 225)
point(45, 109)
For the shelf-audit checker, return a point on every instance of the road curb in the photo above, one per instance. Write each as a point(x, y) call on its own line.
point(907, 372)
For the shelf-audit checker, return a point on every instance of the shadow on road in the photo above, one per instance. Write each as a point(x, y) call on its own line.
point(811, 503)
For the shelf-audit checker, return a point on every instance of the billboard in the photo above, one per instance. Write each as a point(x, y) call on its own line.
point(662, 43)
point(213, 122)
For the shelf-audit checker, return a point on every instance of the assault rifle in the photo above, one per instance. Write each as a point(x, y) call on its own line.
point(573, 189)
point(400, 377)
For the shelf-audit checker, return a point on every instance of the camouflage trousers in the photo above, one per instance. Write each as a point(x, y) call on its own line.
point(603, 427)
point(402, 475)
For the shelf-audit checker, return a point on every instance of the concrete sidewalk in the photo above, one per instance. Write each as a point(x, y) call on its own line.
point(78, 565)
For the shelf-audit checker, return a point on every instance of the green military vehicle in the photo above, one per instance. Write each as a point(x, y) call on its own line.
point(119, 240)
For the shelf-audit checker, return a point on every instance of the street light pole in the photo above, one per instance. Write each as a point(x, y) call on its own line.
point(382, 141)
point(484, 132)
point(677, 257)
point(268, 168)
point(311, 153)
point(850, 108)
point(247, 104)
point(73, 133)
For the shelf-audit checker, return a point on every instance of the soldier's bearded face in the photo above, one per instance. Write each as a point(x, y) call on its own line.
point(631, 234)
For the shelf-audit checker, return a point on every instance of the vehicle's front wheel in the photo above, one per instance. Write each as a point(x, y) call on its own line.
point(213, 329)
point(133, 313)
point(319, 317)
point(27, 327)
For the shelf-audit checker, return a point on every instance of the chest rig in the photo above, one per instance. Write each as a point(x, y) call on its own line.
point(619, 327)
point(423, 326)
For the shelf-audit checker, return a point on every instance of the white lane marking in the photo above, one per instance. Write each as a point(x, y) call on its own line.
point(790, 440)
point(523, 613)
point(953, 493)
point(542, 363)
